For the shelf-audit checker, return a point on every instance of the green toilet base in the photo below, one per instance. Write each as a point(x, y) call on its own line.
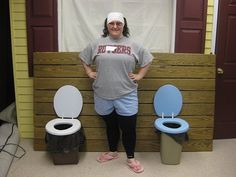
point(170, 150)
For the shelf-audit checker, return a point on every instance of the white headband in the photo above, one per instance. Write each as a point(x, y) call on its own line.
point(115, 16)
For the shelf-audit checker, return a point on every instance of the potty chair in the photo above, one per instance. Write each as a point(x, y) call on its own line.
point(167, 105)
point(63, 133)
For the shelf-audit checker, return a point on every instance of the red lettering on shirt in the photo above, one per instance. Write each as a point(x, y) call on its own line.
point(120, 49)
point(101, 49)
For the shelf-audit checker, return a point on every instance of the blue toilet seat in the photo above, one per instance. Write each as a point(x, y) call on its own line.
point(160, 125)
point(168, 103)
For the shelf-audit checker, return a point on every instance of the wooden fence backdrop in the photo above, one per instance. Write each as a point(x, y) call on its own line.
point(193, 74)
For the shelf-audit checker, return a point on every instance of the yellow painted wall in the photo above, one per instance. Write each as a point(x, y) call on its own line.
point(24, 84)
point(209, 26)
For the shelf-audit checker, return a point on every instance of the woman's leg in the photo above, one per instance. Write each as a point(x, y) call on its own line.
point(112, 130)
point(128, 127)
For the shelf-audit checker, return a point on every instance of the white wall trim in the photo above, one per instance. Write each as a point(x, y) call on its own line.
point(214, 30)
point(59, 12)
point(172, 47)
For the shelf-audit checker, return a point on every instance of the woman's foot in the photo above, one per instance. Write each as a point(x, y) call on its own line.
point(107, 156)
point(135, 165)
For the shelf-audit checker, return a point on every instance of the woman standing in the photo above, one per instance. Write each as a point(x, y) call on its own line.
point(115, 56)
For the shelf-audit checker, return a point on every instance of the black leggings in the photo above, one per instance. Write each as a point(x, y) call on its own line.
point(127, 124)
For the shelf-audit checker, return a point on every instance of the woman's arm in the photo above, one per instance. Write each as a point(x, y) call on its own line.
point(89, 71)
point(141, 73)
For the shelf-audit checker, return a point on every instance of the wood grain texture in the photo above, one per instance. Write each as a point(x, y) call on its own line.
point(193, 74)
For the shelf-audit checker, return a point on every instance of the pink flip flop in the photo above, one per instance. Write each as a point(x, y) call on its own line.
point(104, 157)
point(135, 166)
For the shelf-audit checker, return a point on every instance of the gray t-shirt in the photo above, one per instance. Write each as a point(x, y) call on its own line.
point(114, 59)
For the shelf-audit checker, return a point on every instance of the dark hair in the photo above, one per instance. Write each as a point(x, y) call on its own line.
point(125, 31)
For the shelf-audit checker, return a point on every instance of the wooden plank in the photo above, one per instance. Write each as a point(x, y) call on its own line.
point(56, 58)
point(145, 84)
point(154, 71)
point(59, 71)
point(141, 146)
point(182, 84)
point(80, 83)
point(183, 59)
point(143, 133)
point(181, 72)
point(187, 109)
point(144, 109)
point(142, 121)
point(161, 59)
point(144, 96)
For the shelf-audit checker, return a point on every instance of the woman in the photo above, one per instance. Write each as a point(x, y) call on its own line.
point(115, 56)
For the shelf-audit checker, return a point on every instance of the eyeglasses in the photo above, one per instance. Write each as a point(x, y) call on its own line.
point(119, 24)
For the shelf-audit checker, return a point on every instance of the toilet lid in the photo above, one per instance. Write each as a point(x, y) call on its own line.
point(68, 102)
point(168, 100)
